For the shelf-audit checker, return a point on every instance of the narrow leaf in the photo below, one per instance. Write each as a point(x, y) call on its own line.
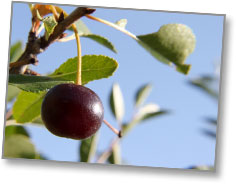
point(15, 51)
point(101, 40)
point(146, 112)
point(173, 43)
point(84, 31)
point(211, 120)
point(117, 102)
point(115, 157)
point(19, 146)
point(27, 106)
point(94, 67)
point(34, 83)
point(209, 133)
point(81, 27)
point(142, 94)
point(88, 148)
point(204, 83)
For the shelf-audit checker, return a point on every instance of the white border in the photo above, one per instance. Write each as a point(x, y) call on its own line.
point(25, 171)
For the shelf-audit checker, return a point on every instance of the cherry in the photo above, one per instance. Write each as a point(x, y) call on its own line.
point(72, 111)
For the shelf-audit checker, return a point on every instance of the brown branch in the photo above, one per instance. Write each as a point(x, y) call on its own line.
point(37, 45)
point(31, 72)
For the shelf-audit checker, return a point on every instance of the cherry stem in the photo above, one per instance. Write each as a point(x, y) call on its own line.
point(112, 25)
point(79, 76)
point(117, 132)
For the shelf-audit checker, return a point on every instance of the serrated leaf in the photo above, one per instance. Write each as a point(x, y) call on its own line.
point(15, 51)
point(12, 92)
point(122, 23)
point(101, 40)
point(94, 67)
point(27, 106)
point(34, 84)
point(15, 129)
point(19, 146)
point(142, 94)
point(117, 102)
point(87, 148)
point(173, 43)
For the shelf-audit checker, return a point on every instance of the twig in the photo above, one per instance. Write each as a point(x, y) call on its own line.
point(105, 155)
point(37, 45)
point(112, 25)
point(117, 132)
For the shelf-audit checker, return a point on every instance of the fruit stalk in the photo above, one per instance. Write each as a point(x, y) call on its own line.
point(79, 66)
point(117, 132)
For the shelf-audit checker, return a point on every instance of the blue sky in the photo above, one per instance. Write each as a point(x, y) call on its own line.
point(173, 140)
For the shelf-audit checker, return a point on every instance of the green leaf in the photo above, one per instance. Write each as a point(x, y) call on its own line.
point(203, 83)
point(209, 133)
point(12, 92)
point(49, 23)
point(27, 106)
point(34, 83)
point(19, 146)
point(142, 94)
point(212, 121)
point(101, 40)
point(117, 102)
point(15, 129)
point(94, 67)
point(146, 112)
point(84, 31)
point(122, 23)
point(15, 51)
point(173, 43)
point(81, 27)
point(88, 149)
point(41, 157)
point(115, 157)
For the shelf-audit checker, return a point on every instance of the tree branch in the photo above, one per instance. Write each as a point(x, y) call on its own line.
point(37, 45)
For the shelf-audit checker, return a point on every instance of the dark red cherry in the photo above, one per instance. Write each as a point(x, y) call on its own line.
point(72, 111)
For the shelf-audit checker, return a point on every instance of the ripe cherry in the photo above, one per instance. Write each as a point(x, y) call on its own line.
point(72, 111)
